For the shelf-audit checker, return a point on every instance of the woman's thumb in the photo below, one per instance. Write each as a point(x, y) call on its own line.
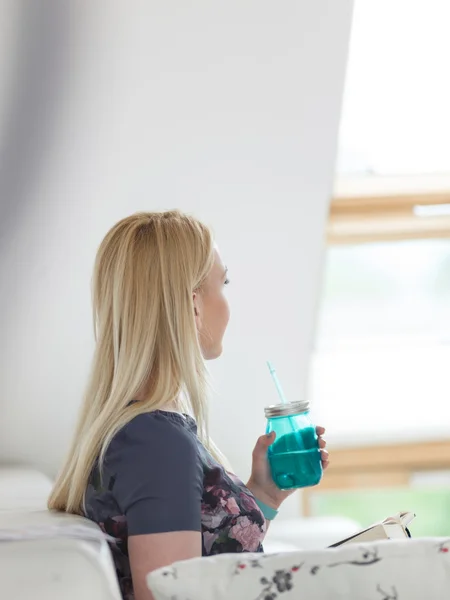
point(263, 444)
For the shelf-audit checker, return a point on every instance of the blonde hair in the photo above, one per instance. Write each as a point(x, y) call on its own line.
point(146, 271)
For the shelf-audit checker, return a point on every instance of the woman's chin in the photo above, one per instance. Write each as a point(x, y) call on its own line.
point(212, 353)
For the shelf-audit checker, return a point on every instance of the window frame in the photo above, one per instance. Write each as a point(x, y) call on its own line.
point(376, 209)
point(379, 466)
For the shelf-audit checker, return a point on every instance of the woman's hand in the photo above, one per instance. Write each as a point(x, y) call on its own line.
point(261, 483)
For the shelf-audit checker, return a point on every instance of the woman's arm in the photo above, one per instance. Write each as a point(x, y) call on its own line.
point(157, 484)
point(154, 550)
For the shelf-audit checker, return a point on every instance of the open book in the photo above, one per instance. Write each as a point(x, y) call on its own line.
point(391, 528)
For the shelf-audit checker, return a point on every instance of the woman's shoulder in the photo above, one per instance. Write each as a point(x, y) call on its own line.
point(154, 431)
point(150, 474)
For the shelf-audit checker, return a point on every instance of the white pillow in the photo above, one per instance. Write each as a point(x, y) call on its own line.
point(388, 570)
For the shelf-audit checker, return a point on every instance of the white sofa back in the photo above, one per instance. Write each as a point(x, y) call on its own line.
point(389, 570)
point(57, 569)
point(23, 488)
point(53, 556)
point(45, 555)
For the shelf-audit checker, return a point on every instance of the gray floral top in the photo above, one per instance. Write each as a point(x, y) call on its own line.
point(158, 477)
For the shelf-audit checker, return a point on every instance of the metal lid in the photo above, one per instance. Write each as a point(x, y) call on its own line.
point(283, 410)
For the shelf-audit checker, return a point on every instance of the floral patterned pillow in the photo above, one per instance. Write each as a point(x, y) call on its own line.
point(388, 570)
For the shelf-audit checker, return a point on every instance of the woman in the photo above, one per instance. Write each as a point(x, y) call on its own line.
point(142, 464)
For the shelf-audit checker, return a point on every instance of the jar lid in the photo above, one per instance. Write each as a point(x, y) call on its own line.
point(284, 410)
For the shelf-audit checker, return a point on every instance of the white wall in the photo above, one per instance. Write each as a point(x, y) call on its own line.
point(227, 110)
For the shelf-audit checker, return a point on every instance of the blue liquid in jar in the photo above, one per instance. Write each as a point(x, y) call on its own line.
point(295, 459)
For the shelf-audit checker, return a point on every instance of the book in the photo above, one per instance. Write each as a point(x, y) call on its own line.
point(391, 528)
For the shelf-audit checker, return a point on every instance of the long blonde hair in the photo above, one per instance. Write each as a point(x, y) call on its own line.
point(146, 271)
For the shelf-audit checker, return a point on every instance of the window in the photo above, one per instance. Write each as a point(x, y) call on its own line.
point(396, 105)
point(379, 372)
point(382, 354)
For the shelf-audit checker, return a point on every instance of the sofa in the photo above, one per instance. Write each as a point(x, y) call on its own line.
point(48, 556)
point(44, 555)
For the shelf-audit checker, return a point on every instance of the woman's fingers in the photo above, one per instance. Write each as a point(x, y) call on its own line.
point(322, 445)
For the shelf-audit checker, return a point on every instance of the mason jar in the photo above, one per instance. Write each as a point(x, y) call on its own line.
point(294, 457)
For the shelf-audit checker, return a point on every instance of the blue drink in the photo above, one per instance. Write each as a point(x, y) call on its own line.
point(294, 457)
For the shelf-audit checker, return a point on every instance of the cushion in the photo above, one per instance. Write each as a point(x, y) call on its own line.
point(387, 570)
